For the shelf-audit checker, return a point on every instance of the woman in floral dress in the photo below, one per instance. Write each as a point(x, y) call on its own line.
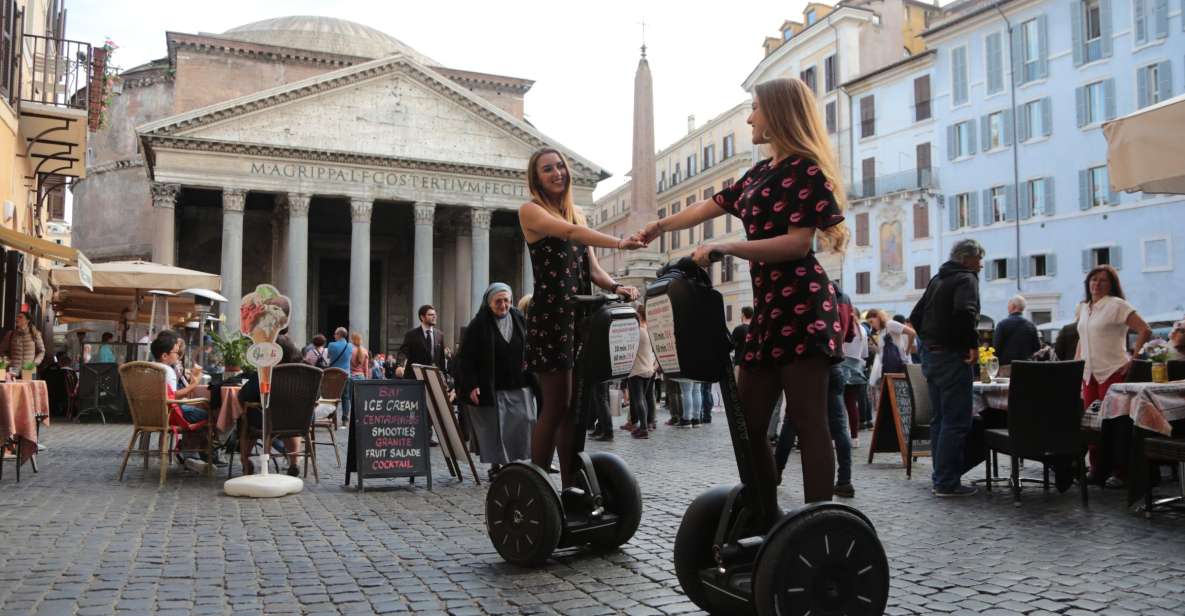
point(785, 203)
point(564, 264)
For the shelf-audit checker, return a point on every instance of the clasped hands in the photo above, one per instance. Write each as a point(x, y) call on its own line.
point(648, 233)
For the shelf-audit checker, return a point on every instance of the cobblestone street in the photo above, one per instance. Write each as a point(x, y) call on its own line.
point(76, 541)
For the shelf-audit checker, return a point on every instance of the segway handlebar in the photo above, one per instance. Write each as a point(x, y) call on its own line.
point(598, 299)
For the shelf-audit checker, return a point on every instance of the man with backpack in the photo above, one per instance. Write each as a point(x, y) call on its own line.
point(316, 354)
point(340, 351)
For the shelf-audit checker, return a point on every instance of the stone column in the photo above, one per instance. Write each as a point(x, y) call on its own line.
point(480, 223)
point(164, 204)
point(279, 274)
point(234, 201)
point(464, 280)
point(422, 272)
point(296, 283)
point(360, 210)
point(528, 273)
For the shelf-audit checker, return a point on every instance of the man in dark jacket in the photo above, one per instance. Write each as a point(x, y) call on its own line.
point(945, 319)
point(1016, 337)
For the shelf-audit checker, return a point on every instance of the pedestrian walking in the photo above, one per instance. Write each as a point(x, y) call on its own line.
point(946, 317)
point(641, 381)
point(317, 355)
point(422, 345)
point(1015, 338)
point(23, 345)
point(340, 353)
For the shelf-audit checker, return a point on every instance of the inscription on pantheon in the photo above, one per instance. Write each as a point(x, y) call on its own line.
point(383, 177)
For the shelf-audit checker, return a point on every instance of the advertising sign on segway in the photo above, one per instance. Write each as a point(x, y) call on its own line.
point(824, 558)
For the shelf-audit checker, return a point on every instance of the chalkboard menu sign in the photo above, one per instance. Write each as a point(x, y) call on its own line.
point(389, 431)
point(894, 417)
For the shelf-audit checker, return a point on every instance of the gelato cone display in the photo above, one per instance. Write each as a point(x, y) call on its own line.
point(263, 314)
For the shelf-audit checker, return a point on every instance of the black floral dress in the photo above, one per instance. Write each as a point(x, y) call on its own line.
point(794, 304)
point(561, 270)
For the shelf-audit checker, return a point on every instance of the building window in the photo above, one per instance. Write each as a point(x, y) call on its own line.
point(863, 283)
point(868, 177)
point(1154, 83)
point(1038, 266)
point(708, 192)
point(1158, 254)
point(963, 210)
point(1030, 33)
point(1096, 186)
point(810, 17)
point(10, 44)
point(1035, 122)
point(995, 134)
point(958, 67)
point(862, 229)
point(662, 181)
point(662, 237)
point(728, 308)
point(709, 230)
point(963, 140)
point(998, 204)
point(922, 154)
point(868, 116)
point(709, 156)
point(829, 73)
point(675, 175)
point(921, 98)
point(1041, 317)
point(831, 117)
point(999, 269)
point(1101, 256)
point(808, 77)
point(690, 230)
point(691, 171)
point(675, 235)
point(921, 220)
point(921, 276)
point(726, 269)
point(994, 57)
point(1095, 102)
point(1036, 196)
point(729, 146)
point(1092, 29)
point(727, 217)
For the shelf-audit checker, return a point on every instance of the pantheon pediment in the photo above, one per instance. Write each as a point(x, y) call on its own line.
point(392, 108)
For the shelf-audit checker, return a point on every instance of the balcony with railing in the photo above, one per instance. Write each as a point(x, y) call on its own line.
point(56, 79)
point(911, 179)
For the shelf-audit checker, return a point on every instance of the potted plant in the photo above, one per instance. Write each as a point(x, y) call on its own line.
point(1157, 350)
point(27, 370)
point(989, 365)
point(231, 348)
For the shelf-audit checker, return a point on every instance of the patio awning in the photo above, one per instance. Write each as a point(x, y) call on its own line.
point(1145, 149)
point(122, 291)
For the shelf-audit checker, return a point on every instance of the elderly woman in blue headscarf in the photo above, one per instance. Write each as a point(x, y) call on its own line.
point(494, 382)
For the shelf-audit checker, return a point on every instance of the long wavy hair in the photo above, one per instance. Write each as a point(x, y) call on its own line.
point(565, 209)
point(796, 128)
point(1116, 288)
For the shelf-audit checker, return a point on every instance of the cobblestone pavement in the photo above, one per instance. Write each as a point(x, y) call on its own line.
point(76, 541)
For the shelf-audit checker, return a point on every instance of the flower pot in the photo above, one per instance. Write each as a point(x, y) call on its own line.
point(27, 375)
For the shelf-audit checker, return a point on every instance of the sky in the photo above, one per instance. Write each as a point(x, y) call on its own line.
point(581, 55)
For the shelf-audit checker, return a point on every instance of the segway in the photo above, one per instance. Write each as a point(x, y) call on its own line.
point(526, 517)
point(821, 559)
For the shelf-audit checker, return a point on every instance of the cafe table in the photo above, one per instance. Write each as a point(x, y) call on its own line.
point(1153, 408)
point(992, 395)
point(22, 404)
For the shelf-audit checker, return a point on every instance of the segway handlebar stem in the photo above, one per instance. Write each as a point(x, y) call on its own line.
point(597, 299)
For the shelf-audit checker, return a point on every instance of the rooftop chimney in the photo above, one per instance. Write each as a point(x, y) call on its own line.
point(690, 124)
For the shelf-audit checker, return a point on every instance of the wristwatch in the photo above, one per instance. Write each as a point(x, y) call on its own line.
point(615, 287)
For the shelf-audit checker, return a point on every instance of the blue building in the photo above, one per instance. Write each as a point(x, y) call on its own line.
point(1051, 216)
point(1019, 91)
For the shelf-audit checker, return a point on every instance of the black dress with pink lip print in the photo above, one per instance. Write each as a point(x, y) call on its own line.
point(562, 270)
point(794, 304)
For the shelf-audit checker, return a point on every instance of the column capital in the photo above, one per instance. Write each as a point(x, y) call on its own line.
point(361, 209)
point(298, 204)
point(480, 219)
point(425, 212)
point(234, 199)
point(164, 195)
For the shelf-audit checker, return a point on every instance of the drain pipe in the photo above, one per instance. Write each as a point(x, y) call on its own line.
point(1015, 145)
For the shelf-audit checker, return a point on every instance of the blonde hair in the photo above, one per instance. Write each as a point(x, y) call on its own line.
point(356, 338)
point(524, 303)
point(795, 128)
point(566, 208)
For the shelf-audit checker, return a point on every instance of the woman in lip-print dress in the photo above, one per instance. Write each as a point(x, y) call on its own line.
point(795, 334)
point(564, 264)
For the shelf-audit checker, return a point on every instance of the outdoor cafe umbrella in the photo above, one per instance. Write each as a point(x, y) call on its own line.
point(122, 287)
point(1145, 149)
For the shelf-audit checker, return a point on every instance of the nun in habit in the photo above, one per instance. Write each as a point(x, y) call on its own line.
point(494, 382)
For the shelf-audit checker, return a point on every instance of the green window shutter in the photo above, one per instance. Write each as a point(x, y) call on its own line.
point(1141, 87)
point(1084, 200)
point(1076, 32)
point(1105, 15)
point(995, 76)
point(1087, 261)
point(1109, 99)
point(1026, 202)
point(1017, 47)
point(1008, 127)
point(1050, 203)
point(973, 209)
point(1140, 21)
point(1051, 265)
point(1047, 116)
point(1160, 17)
point(988, 212)
point(952, 210)
point(970, 137)
point(1043, 46)
point(1112, 196)
point(1116, 257)
point(1164, 76)
point(950, 142)
point(1080, 105)
point(985, 132)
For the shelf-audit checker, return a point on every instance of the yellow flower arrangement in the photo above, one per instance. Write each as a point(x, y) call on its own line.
point(986, 354)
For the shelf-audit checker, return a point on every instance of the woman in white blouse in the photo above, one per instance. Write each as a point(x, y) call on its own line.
point(1104, 318)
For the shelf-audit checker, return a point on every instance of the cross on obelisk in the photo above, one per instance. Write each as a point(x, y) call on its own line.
point(643, 24)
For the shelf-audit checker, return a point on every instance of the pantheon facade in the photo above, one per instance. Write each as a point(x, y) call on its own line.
point(359, 176)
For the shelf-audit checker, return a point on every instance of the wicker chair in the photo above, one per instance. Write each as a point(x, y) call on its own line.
point(144, 384)
point(1163, 450)
point(290, 413)
point(333, 384)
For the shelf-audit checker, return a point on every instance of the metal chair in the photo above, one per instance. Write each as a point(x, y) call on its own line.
point(1044, 420)
point(290, 412)
point(153, 412)
point(333, 384)
point(922, 410)
point(1164, 450)
point(1140, 371)
point(99, 385)
point(1177, 369)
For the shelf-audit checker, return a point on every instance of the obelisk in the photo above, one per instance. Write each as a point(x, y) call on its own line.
point(645, 187)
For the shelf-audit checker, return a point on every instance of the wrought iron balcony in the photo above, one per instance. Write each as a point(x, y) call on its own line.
point(54, 72)
point(912, 179)
point(58, 102)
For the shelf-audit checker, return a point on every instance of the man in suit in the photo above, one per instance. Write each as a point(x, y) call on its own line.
point(423, 344)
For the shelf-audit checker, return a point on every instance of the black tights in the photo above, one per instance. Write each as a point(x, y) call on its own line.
point(556, 426)
point(805, 384)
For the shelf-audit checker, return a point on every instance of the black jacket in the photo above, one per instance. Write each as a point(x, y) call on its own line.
point(475, 360)
point(1015, 339)
point(414, 349)
point(948, 312)
point(1066, 345)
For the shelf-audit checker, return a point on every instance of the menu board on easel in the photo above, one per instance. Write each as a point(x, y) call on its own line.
point(890, 432)
point(443, 421)
point(388, 431)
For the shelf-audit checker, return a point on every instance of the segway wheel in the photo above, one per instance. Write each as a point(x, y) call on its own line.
point(694, 540)
point(621, 496)
point(523, 516)
point(824, 560)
